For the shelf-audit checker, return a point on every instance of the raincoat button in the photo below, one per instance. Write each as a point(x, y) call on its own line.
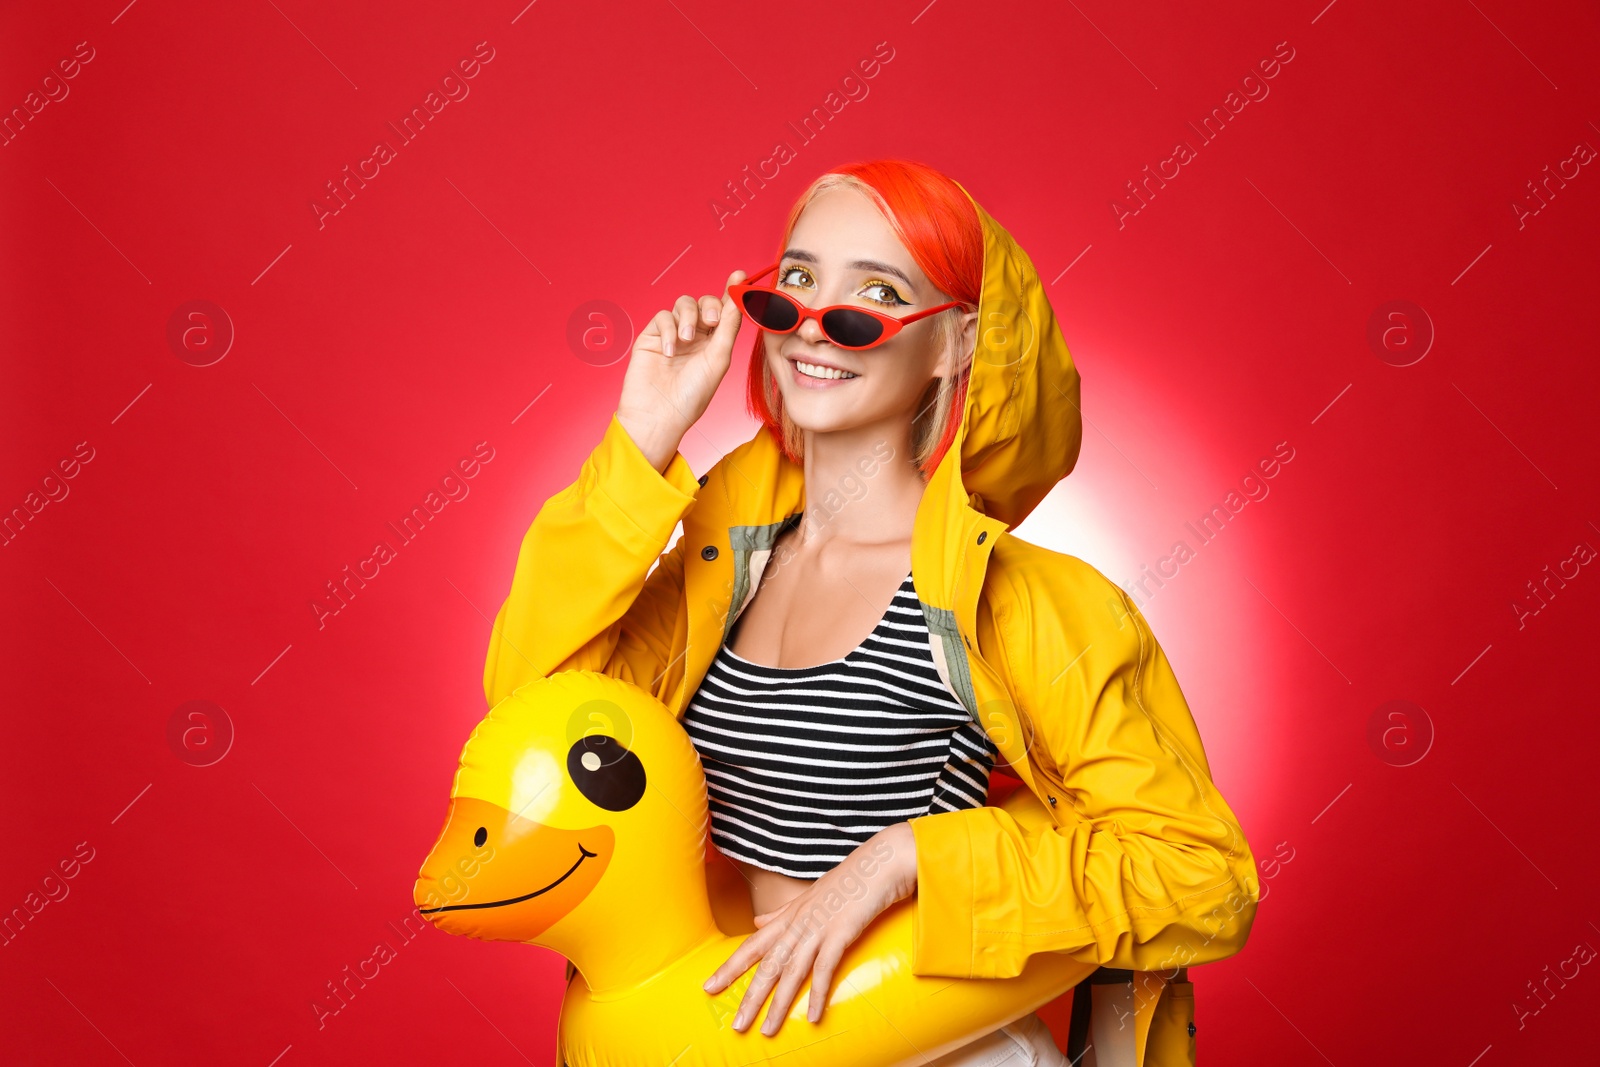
point(1191, 1027)
point(1052, 802)
point(983, 536)
point(709, 552)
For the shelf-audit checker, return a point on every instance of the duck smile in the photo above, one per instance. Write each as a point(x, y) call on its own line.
point(583, 855)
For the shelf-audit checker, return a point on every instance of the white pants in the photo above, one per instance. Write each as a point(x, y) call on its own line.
point(1025, 1043)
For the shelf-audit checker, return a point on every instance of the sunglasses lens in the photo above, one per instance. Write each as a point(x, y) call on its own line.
point(852, 329)
point(771, 311)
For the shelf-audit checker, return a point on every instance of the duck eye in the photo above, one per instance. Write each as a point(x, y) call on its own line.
point(608, 774)
point(480, 837)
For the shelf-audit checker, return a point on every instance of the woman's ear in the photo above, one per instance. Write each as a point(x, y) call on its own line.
point(956, 359)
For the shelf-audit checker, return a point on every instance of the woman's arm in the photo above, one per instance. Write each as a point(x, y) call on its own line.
point(1149, 869)
point(580, 596)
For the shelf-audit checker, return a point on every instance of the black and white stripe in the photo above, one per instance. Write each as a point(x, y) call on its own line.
point(804, 764)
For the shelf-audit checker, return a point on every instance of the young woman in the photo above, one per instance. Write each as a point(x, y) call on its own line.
point(853, 641)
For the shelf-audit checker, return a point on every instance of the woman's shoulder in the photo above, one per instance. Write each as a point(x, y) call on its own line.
point(1023, 571)
point(740, 476)
point(1038, 591)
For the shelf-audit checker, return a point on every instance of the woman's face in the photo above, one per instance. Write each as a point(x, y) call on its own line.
point(843, 251)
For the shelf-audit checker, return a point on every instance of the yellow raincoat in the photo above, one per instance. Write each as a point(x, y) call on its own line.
point(1134, 860)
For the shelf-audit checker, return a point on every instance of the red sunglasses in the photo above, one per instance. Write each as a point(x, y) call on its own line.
point(845, 325)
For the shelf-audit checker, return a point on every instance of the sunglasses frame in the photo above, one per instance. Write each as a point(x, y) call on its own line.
point(891, 325)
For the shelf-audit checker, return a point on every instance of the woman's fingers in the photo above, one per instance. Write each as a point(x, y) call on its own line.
point(747, 953)
point(728, 318)
point(688, 314)
point(730, 306)
point(666, 327)
point(773, 964)
point(710, 312)
point(726, 972)
point(680, 324)
point(794, 972)
point(822, 979)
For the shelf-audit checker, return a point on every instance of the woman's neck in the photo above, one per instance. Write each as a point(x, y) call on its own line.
point(862, 485)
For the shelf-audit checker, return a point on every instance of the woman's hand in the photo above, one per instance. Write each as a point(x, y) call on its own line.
point(675, 366)
point(810, 933)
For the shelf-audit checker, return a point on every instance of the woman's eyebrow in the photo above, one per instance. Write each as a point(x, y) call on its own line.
point(860, 264)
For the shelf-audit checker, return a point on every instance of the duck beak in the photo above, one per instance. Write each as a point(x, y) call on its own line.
point(499, 877)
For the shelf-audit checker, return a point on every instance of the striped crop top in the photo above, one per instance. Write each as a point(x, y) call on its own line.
point(805, 763)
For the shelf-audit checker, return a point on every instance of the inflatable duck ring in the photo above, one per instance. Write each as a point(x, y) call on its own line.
point(578, 822)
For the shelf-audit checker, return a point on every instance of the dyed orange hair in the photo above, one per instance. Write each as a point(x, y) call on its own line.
point(940, 228)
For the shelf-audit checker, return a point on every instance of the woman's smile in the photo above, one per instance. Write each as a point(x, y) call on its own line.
point(819, 375)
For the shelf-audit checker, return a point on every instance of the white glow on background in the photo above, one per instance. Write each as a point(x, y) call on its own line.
point(1217, 632)
point(1076, 519)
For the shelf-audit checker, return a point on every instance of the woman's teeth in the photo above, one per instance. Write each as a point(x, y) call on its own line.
point(812, 370)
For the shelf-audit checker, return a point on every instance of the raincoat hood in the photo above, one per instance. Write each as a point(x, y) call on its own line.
point(1021, 430)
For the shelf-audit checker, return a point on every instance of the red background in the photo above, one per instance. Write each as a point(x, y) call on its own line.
point(1410, 906)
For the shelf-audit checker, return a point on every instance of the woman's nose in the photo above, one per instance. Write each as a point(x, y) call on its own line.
point(811, 333)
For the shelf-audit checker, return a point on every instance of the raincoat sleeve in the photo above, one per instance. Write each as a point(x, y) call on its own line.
point(584, 596)
point(1148, 869)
